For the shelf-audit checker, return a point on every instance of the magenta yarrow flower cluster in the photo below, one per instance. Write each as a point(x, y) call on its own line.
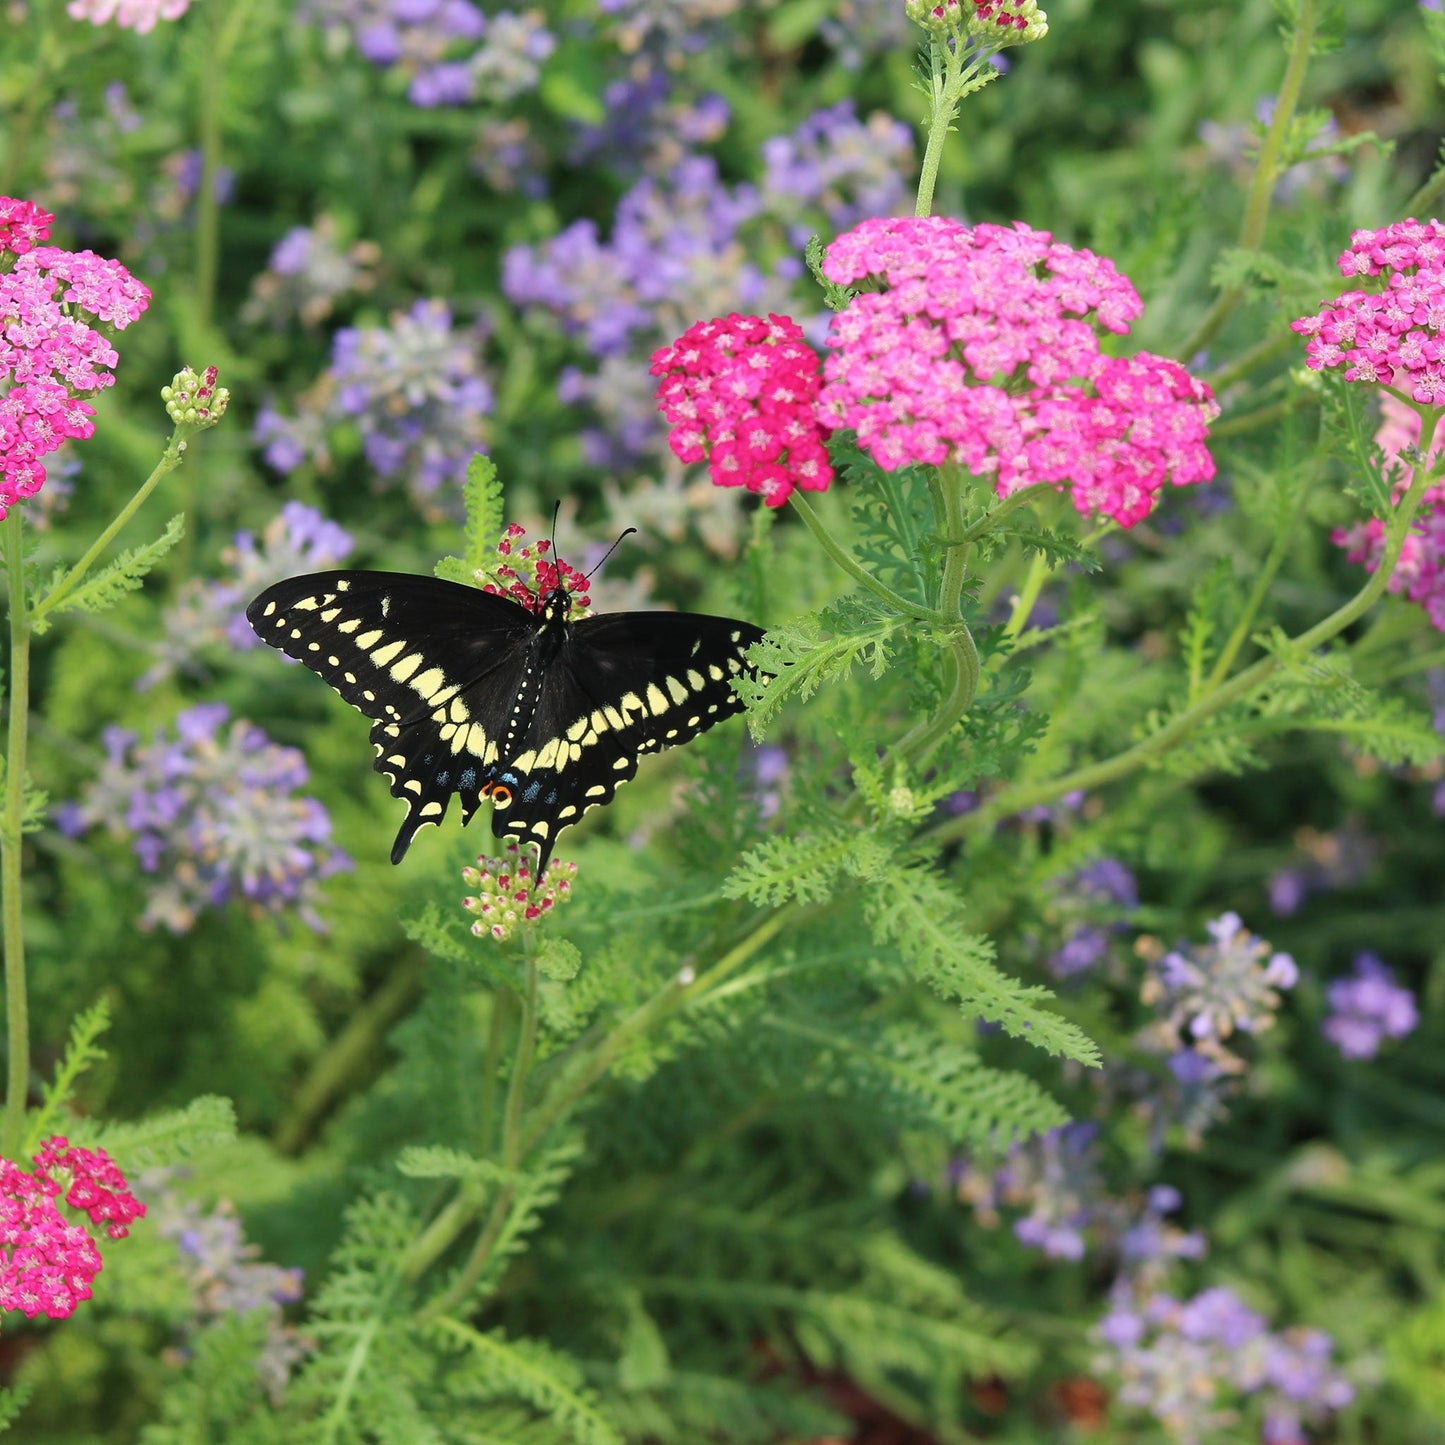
point(49, 356)
point(509, 895)
point(980, 346)
point(47, 1262)
point(1420, 569)
point(1393, 335)
point(741, 392)
point(528, 575)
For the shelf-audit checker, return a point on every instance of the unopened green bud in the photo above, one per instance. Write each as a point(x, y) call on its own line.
point(193, 400)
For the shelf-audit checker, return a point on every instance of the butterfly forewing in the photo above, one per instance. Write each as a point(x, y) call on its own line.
point(474, 694)
point(624, 684)
point(431, 663)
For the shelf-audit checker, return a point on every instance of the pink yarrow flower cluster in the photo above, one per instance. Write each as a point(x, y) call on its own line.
point(741, 392)
point(509, 895)
point(1393, 335)
point(47, 1262)
point(980, 346)
point(137, 15)
point(50, 357)
point(1420, 571)
point(527, 574)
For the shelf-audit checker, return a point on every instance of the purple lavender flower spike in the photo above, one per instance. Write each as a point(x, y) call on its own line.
point(1367, 1008)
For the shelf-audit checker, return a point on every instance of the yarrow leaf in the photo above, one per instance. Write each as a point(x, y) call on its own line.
point(528, 1370)
point(436, 1161)
point(913, 909)
point(801, 870)
point(482, 494)
point(102, 591)
point(169, 1138)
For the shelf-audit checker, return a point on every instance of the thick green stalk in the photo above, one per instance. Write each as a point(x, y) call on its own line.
point(947, 78)
point(961, 665)
point(1261, 193)
point(17, 1012)
point(853, 568)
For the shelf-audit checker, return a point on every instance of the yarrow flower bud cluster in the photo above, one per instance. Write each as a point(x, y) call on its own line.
point(980, 346)
point(1367, 1008)
point(741, 392)
point(1229, 984)
point(995, 23)
point(527, 574)
point(214, 816)
point(49, 355)
point(1393, 335)
point(47, 1262)
point(195, 401)
point(509, 896)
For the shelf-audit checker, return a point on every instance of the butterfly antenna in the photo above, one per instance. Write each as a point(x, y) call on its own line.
point(556, 509)
point(609, 552)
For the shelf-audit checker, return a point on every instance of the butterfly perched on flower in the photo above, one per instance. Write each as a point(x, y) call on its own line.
point(486, 696)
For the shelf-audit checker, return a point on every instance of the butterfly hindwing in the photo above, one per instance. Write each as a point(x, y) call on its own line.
point(435, 665)
point(624, 684)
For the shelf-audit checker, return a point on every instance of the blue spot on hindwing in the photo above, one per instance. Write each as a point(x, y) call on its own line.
point(468, 780)
point(531, 792)
point(442, 779)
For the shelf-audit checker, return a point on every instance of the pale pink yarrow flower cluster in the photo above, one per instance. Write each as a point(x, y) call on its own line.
point(50, 357)
point(980, 346)
point(1393, 335)
point(1420, 571)
point(47, 1262)
point(509, 895)
point(137, 15)
point(741, 392)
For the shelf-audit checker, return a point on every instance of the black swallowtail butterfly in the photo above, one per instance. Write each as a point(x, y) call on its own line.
point(475, 694)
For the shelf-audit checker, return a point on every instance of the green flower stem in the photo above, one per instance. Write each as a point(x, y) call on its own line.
point(1261, 354)
point(1010, 504)
point(1039, 572)
point(853, 568)
point(1262, 416)
point(961, 665)
point(228, 23)
point(170, 460)
point(1283, 535)
point(1423, 201)
point(348, 1056)
point(1256, 211)
point(680, 989)
point(946, 81)
point(17, 1012)
point(511, 1154)
point(1095, 775)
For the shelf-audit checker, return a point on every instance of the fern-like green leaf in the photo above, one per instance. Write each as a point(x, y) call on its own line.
point(482, 494)
point(835, 297)
point(802, 870)
point(795, 660)
point(111, 583)
point(528, 1370)
point(81, 1051)
point(168, 1138)
point(913, 909)
point(13, 1399)
point(436, 1161)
